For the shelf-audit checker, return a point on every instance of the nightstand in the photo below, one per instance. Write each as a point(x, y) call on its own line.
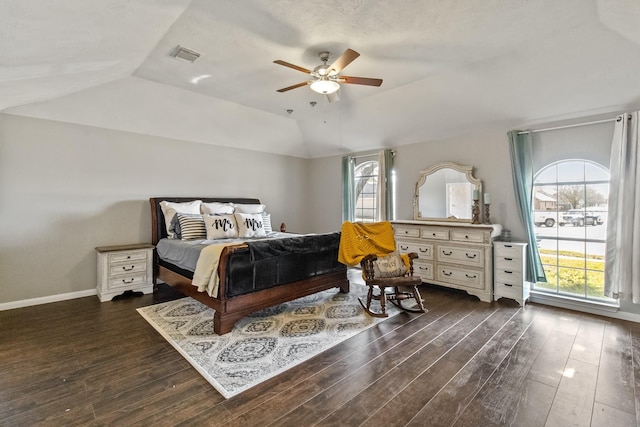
point(124, 268)
point(510, 271)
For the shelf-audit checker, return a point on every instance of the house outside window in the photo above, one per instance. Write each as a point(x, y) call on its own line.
point(366, 191)
point(570, 215)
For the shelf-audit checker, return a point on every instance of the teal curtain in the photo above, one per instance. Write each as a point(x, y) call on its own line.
point(387, 174)
point(348, 199)
point(521, 148)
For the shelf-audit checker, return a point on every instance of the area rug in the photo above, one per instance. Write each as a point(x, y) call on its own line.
point(264, 343)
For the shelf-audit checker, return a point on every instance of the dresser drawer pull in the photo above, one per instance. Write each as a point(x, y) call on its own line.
point(406, 231)
point(508, 272)
point(424, 251)
point(446, 274)
point(447, 253)
point(470, 277)
point(433, 234)
point(466, 237)
point(508, 246)
point(423, 268)
point(471, 257)
point(128, 269)
point(506, 284)
point(128, 281)
point(404, 248)
point(508, 259)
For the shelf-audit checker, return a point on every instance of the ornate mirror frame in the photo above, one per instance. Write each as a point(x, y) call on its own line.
point(442, 194)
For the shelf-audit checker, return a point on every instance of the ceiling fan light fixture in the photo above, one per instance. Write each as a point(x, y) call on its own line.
point(324, 86)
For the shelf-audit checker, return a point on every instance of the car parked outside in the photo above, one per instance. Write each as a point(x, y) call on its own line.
point(580, 218)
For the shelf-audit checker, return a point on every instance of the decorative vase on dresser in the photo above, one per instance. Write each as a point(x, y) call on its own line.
point(510, 271)
point(124, 268)
point(452, 254)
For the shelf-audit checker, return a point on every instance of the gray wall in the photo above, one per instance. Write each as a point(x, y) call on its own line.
point(65, 189)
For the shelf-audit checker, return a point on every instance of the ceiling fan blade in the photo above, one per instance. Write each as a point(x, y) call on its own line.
point(293, 87)
point(333, 97)
point(360, 81)
point(345, 59)
point(295, 67)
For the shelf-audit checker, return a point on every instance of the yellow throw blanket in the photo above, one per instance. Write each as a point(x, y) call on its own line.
point(358, 240)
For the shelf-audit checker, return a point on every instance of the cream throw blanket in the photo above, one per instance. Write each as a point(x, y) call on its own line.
point(206, 275)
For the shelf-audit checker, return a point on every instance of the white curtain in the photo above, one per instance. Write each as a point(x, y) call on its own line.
point(622, 271)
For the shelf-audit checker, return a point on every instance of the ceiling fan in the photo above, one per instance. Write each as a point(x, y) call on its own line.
point(325, 79)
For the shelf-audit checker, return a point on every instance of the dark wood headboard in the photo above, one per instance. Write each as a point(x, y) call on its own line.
point(158, 230)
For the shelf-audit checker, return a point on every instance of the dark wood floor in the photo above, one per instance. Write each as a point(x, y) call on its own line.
point(464, 363)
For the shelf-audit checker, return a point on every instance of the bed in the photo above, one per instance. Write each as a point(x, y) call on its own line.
point(253, 275)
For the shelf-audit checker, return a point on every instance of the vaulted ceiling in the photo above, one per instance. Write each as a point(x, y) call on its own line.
point(449, 67)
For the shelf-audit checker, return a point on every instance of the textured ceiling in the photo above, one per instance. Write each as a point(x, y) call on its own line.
point(449, 67)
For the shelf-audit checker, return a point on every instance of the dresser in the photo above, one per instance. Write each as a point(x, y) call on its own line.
point(451, 254)
point(124, 268)
point(510, 271)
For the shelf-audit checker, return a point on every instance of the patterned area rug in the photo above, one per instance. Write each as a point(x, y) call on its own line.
point(265, 343)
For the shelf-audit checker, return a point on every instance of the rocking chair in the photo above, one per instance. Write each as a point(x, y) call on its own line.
point(404, 286)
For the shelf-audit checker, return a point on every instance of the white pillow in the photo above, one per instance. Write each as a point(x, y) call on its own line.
point(390, 265)
point(216, 208)
point(169, 209)
point(266, 222)
point(252, 209)
point(250, 225)
point(221, 226)
point(191, 226)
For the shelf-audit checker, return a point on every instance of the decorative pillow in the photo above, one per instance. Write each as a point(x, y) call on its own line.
point(390, 265)
point(191, 226)
point(170, 209)
point(216, 208)
point(221, 226)
point(266, 222)
point(250, 225)
point(252, 209)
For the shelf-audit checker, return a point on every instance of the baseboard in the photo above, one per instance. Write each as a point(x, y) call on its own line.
point(45, 300)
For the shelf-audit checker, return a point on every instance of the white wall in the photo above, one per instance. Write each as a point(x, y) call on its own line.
point(65, 189)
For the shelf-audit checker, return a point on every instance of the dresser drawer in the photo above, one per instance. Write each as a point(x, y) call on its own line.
point(127, 256)
point(128, 268)
point(505, 250)
point(510, 277)
point(423, 269)
point(424, 250)
point(457, 255)
point(510, 264)
point(459, 276)
point(407, 231)
point(434, 233)
point(467, 236)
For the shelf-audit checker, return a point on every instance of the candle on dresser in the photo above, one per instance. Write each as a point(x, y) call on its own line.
point(476, 195)
point(487, 199)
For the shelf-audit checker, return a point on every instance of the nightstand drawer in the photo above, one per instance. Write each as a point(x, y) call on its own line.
point(506, 250)
point(510, 277)
point(127, 281)
point(508, 291)
point(509, 264)
point(127, 256)
point(130, 268)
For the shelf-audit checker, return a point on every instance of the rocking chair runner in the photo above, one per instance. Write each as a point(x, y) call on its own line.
point(404, 287)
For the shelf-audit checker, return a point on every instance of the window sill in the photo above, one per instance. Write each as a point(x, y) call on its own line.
point(562, 301)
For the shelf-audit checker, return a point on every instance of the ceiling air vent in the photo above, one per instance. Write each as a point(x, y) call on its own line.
point(185, 54)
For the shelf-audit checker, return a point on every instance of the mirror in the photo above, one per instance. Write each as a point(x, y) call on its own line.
point(445, 192)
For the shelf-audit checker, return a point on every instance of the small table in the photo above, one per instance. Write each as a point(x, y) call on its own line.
point(124, 268)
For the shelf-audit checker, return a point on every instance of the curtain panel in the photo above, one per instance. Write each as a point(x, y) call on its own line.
point(521, 149)
point(622, 263)
point(348, 196)
point(385, 186)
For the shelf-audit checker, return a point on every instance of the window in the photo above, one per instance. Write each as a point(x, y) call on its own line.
point(366, 191)
point(570, 214)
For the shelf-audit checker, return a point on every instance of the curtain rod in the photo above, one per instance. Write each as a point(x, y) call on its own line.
point(567, 126)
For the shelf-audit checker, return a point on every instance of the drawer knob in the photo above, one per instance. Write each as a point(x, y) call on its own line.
point(471, 256)
point(128, 281)
point(128, 269)
point(447, 253)
point(466, 237)
point(470, 276)
point(406, 231)
point(128, 256)
point(433, 234)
